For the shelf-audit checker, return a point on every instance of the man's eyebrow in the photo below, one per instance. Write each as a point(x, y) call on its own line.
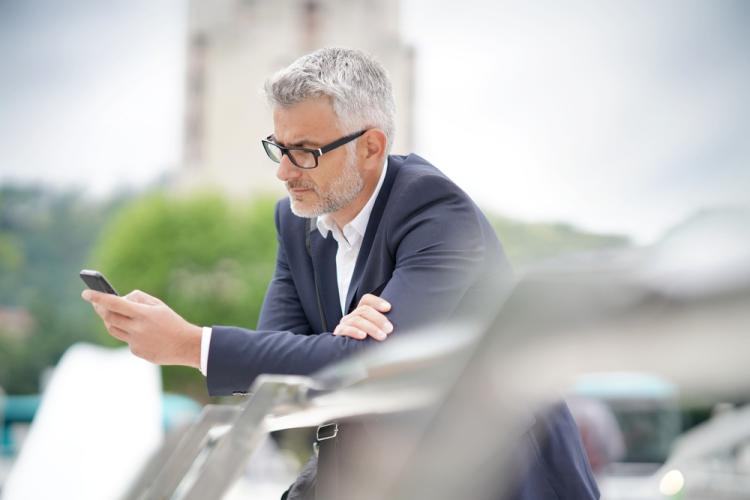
point(297, 144)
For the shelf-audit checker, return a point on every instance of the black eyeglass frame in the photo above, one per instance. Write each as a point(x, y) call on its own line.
point(316, 152)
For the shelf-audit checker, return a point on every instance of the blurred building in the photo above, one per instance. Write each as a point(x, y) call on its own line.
point(234, 45)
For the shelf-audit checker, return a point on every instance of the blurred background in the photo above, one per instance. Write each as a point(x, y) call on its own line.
point(130, 143)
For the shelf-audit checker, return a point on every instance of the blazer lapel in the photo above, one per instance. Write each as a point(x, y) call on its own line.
point(323, 253)
point(372, 228)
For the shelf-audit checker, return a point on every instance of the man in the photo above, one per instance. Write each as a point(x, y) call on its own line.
point(369, 244)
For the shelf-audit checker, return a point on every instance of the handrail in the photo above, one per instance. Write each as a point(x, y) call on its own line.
point(163, 474)
point(553, 328)
point(202, 466)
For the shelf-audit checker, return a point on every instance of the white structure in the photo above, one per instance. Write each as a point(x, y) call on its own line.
point(98, 423)
point(234, 45)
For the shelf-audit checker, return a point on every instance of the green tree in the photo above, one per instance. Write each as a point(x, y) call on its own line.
point(45, 236)
point(209, 260)
point(529, 242)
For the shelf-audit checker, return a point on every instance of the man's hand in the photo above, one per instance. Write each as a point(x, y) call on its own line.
point(367, 319)
point(153, 331)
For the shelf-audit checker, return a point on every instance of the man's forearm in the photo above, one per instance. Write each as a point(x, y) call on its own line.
point(238, 356)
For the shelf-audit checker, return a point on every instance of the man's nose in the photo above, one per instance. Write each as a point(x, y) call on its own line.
point(287, 170)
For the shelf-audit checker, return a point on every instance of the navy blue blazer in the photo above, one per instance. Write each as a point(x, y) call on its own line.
point(428, 250)
point(432, 254)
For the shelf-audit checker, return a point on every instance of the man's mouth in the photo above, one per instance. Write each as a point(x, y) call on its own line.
point(298, 189)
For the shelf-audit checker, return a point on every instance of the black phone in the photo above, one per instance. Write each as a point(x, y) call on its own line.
point(96, 281)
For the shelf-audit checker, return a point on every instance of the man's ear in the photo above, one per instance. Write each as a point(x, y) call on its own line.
point(374, 146)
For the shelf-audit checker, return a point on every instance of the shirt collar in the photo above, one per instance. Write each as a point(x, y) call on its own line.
point(358, 225)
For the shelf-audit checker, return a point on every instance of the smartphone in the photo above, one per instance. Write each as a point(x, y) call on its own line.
point(96, 281)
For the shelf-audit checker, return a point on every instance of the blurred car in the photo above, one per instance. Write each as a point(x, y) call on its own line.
point(711, 461)
point(647, 415)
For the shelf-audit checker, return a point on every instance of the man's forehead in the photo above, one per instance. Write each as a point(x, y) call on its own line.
point(310, 121)
point(294, 137)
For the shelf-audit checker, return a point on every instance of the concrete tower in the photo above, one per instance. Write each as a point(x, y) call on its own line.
point(234, 45)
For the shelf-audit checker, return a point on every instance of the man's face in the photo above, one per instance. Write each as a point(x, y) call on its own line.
point(336, 181)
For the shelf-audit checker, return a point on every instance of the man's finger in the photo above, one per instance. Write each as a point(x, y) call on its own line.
point(349, 331)
point(375, 317)
point(142, 298)
point(111, 318)
point(112, 302)
point(366, 326)
point(119, 321)
point(374, 301)
point(118, 333)
point(99, 310)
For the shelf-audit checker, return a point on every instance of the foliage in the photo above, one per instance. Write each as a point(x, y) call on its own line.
point(207, 259)
point(526, 243)
point(44, 239)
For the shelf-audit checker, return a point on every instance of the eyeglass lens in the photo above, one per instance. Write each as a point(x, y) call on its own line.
point(303, 159)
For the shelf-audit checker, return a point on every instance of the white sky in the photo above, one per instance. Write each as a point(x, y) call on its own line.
point(91, 95)
point(618, 116)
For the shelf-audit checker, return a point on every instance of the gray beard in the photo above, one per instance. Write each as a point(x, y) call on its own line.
point(345, 188)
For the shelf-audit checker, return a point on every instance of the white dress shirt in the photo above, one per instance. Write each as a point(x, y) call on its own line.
point(349, 240)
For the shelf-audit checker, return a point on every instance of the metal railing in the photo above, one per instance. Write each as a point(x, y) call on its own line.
point(213, 451)
point(485, 380)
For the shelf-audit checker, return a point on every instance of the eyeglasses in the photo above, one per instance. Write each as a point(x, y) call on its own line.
point(304, 157)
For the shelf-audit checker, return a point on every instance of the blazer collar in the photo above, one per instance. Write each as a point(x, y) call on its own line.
point(357, 225)
point(323, 256)
point(372, 227)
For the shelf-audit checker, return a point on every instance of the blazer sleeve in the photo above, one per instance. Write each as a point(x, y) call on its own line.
point(437, 244)
point(282, 308)
point(282, 343)
point(441, 251)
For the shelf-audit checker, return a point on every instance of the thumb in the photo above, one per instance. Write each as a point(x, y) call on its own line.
point(142, 298)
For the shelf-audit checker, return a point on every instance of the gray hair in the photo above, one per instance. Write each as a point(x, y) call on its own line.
point(357, 84)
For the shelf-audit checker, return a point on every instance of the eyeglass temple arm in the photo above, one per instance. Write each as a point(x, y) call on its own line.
point(340, 142)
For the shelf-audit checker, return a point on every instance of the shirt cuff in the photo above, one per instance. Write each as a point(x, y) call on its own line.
point(205, 344)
